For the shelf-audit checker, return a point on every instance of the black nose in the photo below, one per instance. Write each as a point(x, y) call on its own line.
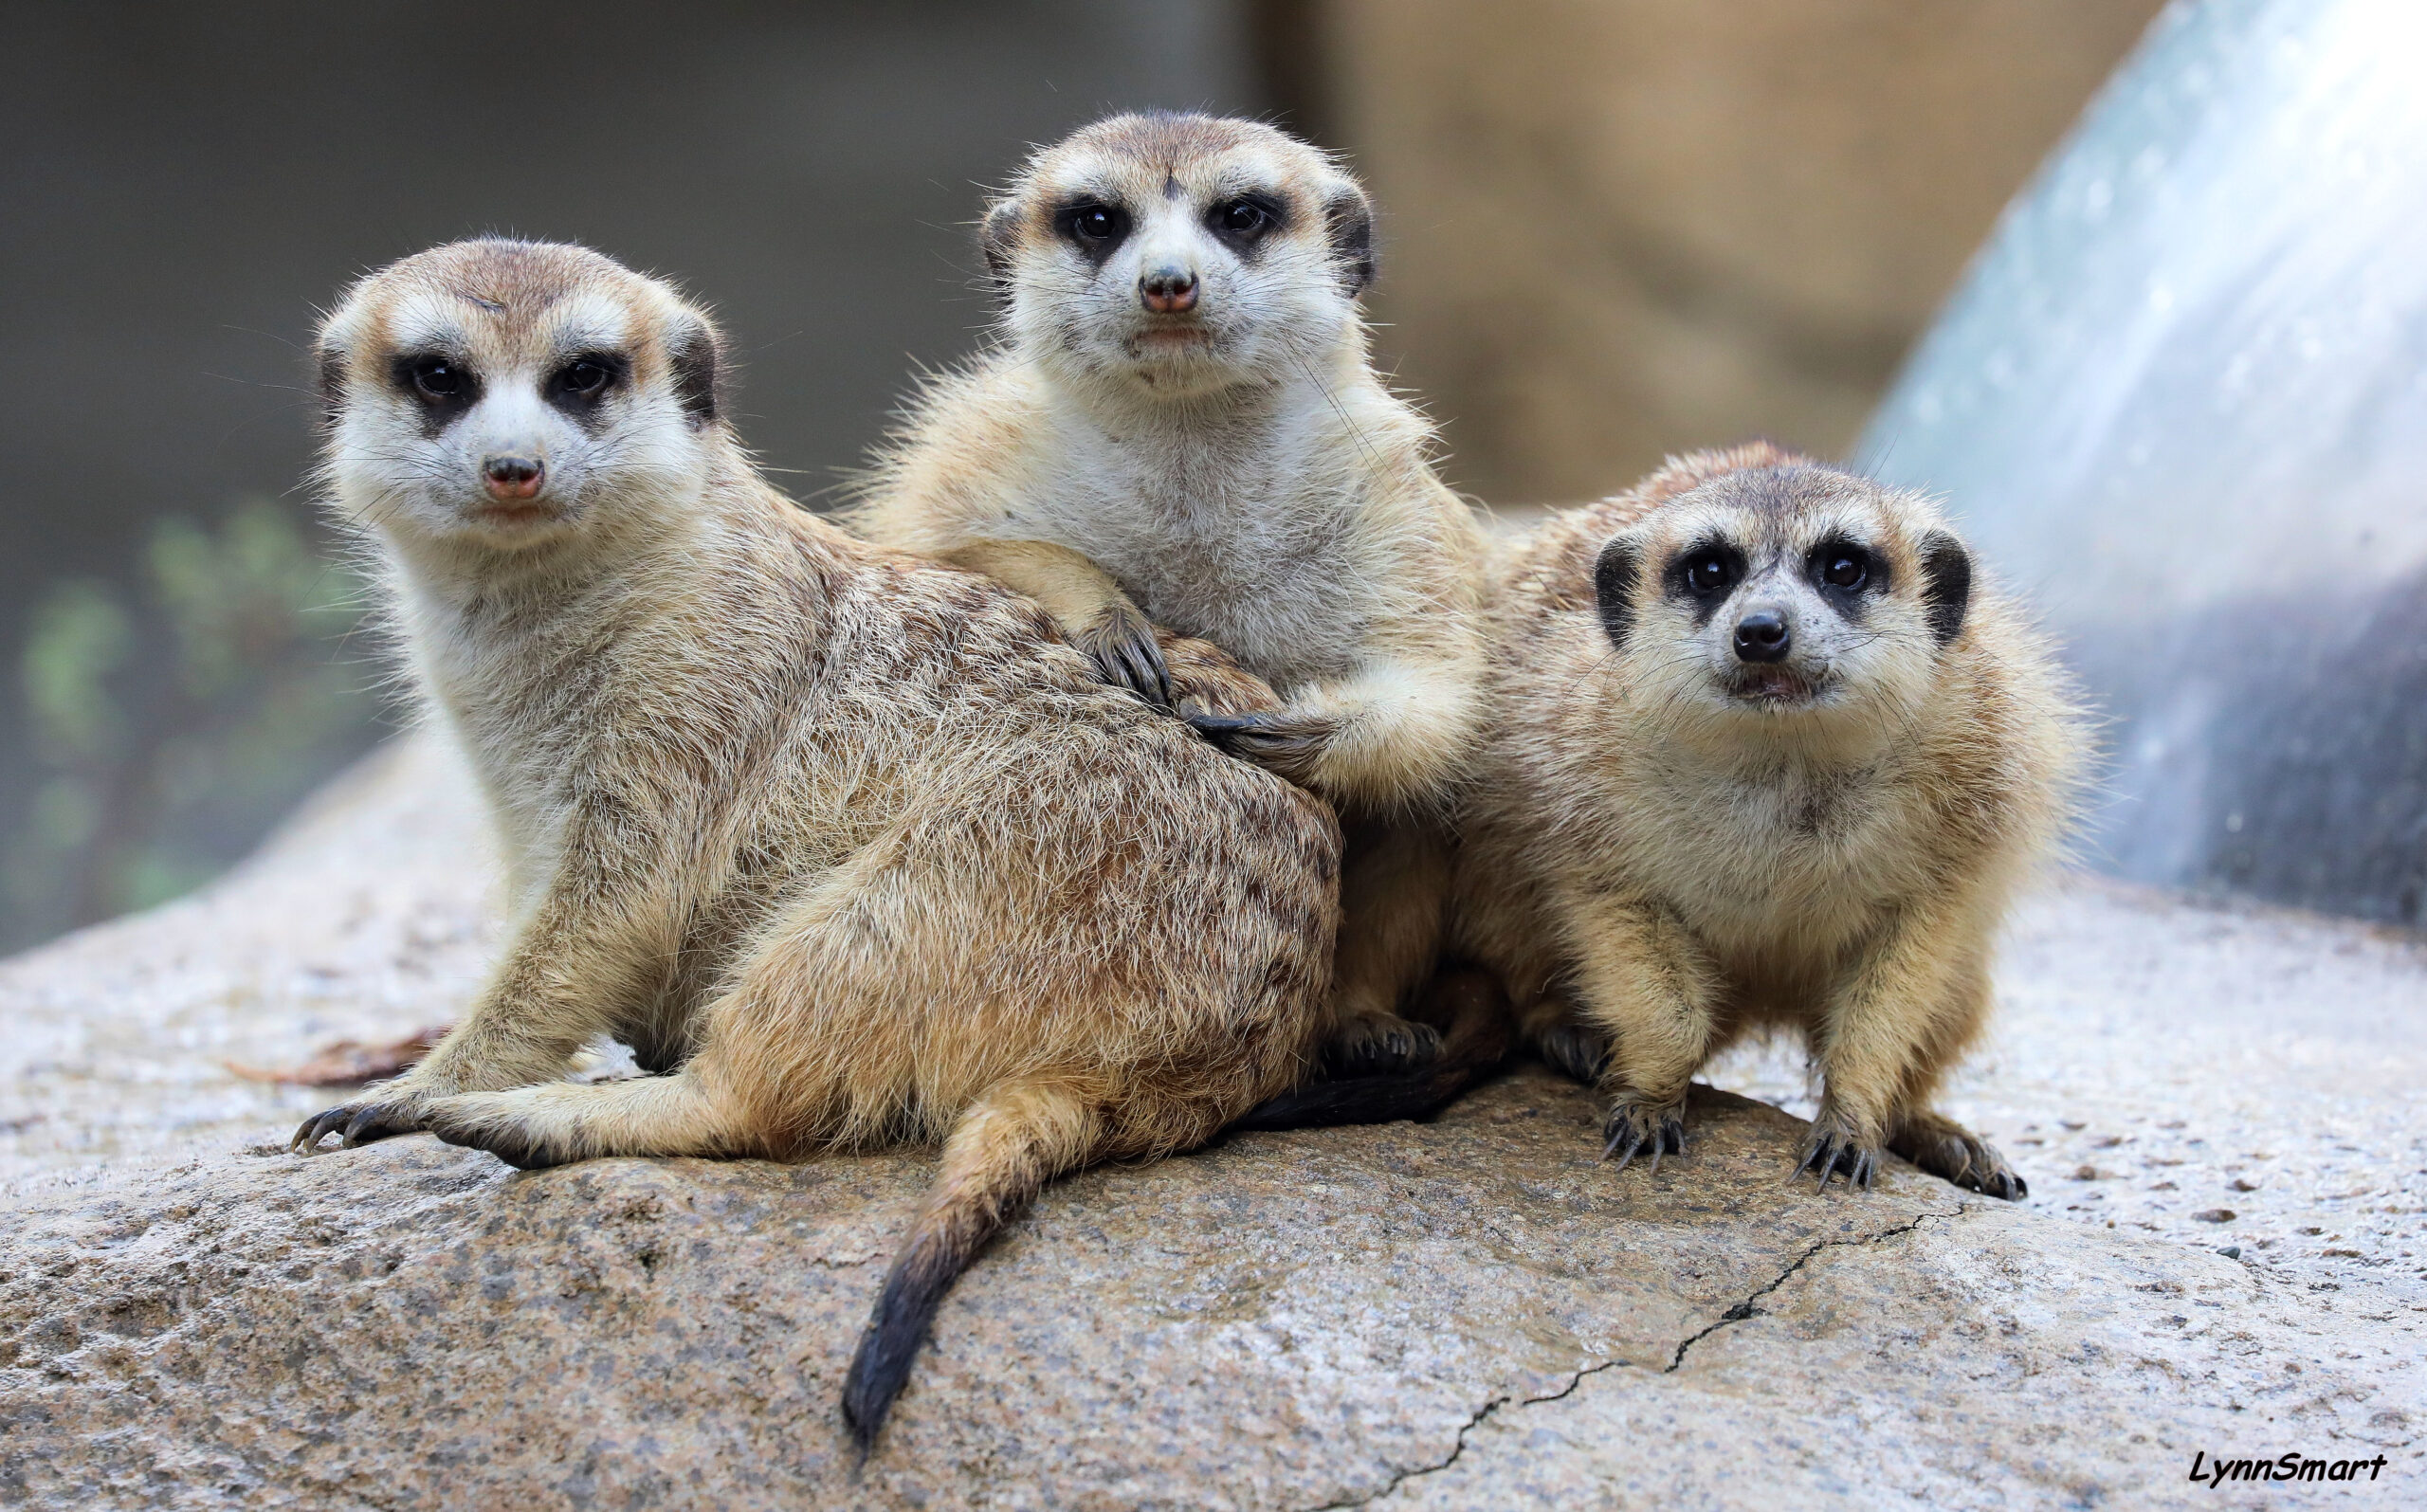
point(1168, 290)
point(1761, 636)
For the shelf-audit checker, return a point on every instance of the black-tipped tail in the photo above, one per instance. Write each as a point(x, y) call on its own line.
point(921, 1274)
point(1003, 1148)
point(1323, 1104)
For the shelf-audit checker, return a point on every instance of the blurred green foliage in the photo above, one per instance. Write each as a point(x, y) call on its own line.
point(175, 717)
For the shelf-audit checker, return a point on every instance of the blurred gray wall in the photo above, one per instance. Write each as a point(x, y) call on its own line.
point(182, 185)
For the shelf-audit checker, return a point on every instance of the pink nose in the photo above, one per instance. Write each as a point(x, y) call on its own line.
point(512, 478)
point(1168, 291)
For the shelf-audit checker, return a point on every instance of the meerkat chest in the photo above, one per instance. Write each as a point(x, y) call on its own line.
point(1258, 553)
point(1749, 857)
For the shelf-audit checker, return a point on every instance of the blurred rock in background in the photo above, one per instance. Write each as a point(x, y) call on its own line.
point(1613, 229)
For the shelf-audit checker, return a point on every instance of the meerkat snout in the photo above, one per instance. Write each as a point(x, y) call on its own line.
point(1763, 636)
point(511, 478)
point(1168, 290)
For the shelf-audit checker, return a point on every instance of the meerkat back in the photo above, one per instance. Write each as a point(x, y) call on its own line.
point(1181, 426)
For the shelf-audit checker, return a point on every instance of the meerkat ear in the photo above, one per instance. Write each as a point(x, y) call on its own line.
point(998, 234)
point(1946, 584)
point(1614, 584)
point(696, 352)
point(1349, 217)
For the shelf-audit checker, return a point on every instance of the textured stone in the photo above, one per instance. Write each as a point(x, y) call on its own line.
point(1470, 1312)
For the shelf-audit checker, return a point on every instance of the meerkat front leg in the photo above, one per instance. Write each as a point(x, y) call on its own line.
point(1094, 615)
point(1902, 1011)
point(592, 951)
point(1647, 984)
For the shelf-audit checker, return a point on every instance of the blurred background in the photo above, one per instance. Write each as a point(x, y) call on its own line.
point(1612, 230)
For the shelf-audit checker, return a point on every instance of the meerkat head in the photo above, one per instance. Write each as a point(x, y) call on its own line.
point(1793, 592)
point(1178, 254)
point(505, 394)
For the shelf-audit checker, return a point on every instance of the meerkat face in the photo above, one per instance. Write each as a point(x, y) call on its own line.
point(511, 393)
point(1791, 592)
point(1179, 254)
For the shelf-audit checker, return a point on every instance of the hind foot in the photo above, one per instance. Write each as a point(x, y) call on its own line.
point(359, 1121)
point(487, 1122)
point(1946, 1149)
point(1574, 1049)
point(1380, 1045)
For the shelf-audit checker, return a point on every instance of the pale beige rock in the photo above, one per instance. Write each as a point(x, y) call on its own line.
point(1617, 228)
point(1474, 1312)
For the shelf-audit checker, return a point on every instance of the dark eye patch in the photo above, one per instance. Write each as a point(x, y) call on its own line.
point(1242, 221)
point(1847, 572)
point(1704, 574)
point(1095, 227)
point(444, 385)
point(581, 383)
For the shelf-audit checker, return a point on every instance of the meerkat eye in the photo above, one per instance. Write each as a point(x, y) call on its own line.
point(443, 387)
point(1841, 566)
point(1241, 218)
point(583, 378)
point(435, 378)
point(1709, 571)
point(1095, 225)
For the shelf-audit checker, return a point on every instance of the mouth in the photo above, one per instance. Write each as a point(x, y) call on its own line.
point(1774, 686)
point(515, 514)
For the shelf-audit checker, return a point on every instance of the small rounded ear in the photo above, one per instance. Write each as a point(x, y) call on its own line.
point(1348, 217)
point(998, 234)
point(328, 380)
point(1615, 576)
point(696, 353)
point(1946, 584)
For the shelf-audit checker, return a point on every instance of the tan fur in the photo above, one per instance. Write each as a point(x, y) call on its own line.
point(1681, 864)
point(1235, 471)
point(854, 839)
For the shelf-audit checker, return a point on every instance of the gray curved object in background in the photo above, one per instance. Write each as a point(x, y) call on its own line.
point(2181, 401)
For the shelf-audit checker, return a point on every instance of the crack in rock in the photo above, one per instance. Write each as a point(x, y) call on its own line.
point(1736, 1314)
point(1744, 1310)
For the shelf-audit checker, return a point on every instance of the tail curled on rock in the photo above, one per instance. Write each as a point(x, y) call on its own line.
point(1470, 1008)
point(1003, 1150)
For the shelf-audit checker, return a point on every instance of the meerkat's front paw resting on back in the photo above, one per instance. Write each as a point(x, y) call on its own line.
point(1946, 1149)
point(1122, 644)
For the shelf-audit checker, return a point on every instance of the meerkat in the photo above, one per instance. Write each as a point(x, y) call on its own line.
point(853, 846)
point(1765, 751)
point(1180, 425)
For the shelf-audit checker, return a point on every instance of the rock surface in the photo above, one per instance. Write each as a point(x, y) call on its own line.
point(1470, 1312)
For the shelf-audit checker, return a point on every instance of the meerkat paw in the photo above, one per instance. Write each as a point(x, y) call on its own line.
point(1378, 1045)
point(359, 1121)
point(1121, 643)
point(1575, 1050)
point(1946, 1149)
point(1282, 743)
point(1836, 1150)
point(1636, 1127)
